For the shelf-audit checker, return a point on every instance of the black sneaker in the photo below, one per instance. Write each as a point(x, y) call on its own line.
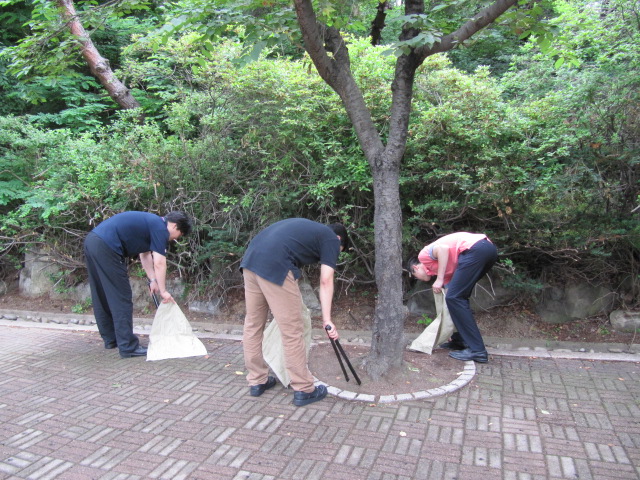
point(257, 390)
point(140, 351)
point(466, 355)
point(300, 399)
point(453, 345)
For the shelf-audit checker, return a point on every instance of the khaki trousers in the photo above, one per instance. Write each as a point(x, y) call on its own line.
point(285, 302)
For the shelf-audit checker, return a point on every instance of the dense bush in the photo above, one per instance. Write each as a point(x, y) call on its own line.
point(543, 160)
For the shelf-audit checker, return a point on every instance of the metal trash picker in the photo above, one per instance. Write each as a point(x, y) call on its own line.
point(153, 295)
point(337, 347)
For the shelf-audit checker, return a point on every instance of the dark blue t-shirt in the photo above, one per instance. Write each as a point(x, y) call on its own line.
point(289, 244)
point(132, 233)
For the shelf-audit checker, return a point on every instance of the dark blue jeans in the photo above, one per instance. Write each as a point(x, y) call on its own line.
point(111, 294)
point(473, 264)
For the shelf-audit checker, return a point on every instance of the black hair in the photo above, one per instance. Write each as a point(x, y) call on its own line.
point(410, 263)
point(182, 221)
point(339, 230)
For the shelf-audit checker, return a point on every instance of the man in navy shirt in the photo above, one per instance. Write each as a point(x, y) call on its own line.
point(106, 250)
point(271, 269)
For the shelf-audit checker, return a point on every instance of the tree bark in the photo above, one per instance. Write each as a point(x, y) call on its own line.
point(378, 23)
point(330, 55)
point(388, 340)
point(98, 65)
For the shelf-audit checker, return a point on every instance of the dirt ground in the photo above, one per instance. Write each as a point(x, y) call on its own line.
point(419, 372)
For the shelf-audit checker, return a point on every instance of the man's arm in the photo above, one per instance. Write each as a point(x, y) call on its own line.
point(441, 253)
point(155, 266)
point(146, 259)
point(326, 298)
point(160, 267)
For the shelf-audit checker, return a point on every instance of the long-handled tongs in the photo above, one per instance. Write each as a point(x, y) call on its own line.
point(336, 346)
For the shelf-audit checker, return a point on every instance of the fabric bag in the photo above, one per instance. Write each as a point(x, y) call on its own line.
point(438, 331)
point(272, 349)
point(172, 336)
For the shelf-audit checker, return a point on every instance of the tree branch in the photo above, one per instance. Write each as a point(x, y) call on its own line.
point(478, 22)
point(330, 55)
point(98, 65)
point(377, 25)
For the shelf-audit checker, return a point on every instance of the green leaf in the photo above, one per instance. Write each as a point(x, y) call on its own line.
point(257, 49)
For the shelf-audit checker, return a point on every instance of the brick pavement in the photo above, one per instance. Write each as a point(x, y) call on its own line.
point(71, 410)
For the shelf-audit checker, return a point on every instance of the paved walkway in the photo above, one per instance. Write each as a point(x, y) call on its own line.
point(69, 409)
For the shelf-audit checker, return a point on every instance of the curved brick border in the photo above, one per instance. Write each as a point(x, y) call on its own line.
point(81, 322)
point(462, 380)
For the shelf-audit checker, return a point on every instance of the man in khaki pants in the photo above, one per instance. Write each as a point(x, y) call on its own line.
point(271, 269)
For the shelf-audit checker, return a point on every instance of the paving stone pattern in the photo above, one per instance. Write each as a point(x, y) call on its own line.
point(69, 409)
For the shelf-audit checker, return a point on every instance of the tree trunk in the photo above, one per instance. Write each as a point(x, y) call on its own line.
point(98, 65)
point(388, 341)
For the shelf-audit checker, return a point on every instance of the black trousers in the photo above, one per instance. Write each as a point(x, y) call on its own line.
point(473, 264)
point(110, 294)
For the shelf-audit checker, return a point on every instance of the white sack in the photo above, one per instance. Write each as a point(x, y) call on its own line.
point(272, 349)
point(438, 331)
point(171, 335)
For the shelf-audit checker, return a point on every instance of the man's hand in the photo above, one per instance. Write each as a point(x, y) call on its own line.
point(166, 297)
point(153, 287)
point(331, 330)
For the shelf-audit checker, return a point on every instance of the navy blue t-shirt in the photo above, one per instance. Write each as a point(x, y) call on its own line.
point(289, 244)
point(132, 233)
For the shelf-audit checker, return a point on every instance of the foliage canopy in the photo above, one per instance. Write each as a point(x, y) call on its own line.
point(539, 149)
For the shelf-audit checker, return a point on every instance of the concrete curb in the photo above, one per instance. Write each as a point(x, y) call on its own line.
point(463, 379)
point(495, 345)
